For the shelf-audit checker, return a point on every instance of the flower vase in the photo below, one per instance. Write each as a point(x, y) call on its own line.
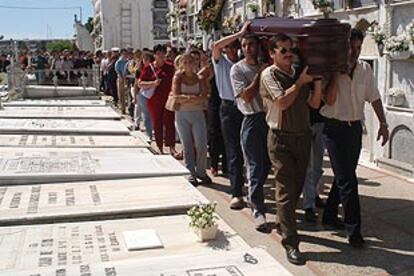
point(400, 55)
point(206, 234)
point(396, 100)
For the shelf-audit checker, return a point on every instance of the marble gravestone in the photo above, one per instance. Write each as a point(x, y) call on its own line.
point(45, 91)
point(247, 262)
point(62, 126)
point(59, 112)
point(89, 103)
point(30, 204)
point(73, 141)
point(43, 165)
point(73, 245)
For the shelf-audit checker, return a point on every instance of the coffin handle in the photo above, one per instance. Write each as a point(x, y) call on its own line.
point(262, 28)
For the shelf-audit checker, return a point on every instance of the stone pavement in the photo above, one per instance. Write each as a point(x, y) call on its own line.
point(387, 202)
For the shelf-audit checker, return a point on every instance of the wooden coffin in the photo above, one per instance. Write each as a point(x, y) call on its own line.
point(323, 43)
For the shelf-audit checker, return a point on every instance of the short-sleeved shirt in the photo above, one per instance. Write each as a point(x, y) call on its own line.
point(242, 75)
point(352, 94)
point(166, 74)
point(222, 73)
point(273, 84)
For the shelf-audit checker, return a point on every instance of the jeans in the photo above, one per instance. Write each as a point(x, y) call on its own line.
point(192, 129)
point(344, 143)
point(314, 171)
point(231, 120)
point(142, 113)
point(254, 136)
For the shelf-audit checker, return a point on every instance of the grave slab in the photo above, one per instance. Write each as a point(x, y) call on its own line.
point(62, 126)
point(73, 245)
point(89, 103)
point(44, 91)
point(43, 165)
point(75, 201)
point(72, 141)
point(59, 112)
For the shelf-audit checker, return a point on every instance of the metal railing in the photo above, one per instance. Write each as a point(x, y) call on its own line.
point(85, 78)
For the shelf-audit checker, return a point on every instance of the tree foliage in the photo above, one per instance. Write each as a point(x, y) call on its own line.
point(60, 45)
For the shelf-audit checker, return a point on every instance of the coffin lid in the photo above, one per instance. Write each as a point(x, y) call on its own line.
point(297, 27)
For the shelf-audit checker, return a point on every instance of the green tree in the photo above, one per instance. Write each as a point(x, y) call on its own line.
point(60, 45)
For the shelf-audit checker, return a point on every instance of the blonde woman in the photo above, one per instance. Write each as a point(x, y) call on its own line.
point(191, 93)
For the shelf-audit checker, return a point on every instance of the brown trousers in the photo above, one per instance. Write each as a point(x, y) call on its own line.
point(122, 89)
point(289, 155)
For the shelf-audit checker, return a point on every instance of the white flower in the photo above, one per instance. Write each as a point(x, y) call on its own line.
point(395, 92)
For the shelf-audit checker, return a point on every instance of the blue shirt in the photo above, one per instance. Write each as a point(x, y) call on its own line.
point(121, 67)
point(222, 72)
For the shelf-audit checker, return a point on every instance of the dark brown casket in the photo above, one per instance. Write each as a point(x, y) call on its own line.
point(323, 43)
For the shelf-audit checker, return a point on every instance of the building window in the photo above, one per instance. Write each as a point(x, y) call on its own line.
point(160, 4)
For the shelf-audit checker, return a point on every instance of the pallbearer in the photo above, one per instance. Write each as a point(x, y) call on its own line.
point(287, 97)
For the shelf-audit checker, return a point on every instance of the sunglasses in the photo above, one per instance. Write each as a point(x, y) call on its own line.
point(283, 50)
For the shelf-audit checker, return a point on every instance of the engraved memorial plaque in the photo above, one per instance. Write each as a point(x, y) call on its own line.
point(29, 204)
point(89, 103)
point(62, 126)
point(43, 165)
point(72, 141)
point(40, 248)
point(59, 112)
point(219, 263)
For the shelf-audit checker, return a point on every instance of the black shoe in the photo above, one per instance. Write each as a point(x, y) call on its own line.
point(205, 180)
point(335, 224)
point(356, 242)
point(294, 256)
point(193, 180)
point(310, 215)
point(319, 203)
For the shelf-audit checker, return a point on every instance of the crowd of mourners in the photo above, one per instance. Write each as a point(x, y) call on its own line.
point(226, 103)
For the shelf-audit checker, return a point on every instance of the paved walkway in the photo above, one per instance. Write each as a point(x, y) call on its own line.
point(388, 226)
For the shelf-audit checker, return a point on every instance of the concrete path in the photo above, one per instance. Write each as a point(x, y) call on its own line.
point(387, 203)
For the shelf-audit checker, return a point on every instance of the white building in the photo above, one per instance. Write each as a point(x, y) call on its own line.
point(130, 23)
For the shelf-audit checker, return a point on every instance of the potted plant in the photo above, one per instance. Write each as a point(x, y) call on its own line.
point(396, 97)
point(398, 47)
point(203, 221)
point(325, 6)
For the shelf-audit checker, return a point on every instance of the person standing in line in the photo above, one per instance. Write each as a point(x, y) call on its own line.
point(245, 76)
point(225, 55)
point(191, 94)
point(146, 91)
point(121, 70)
point(311, 199)
point(286, 94)
point(104, 71)
point(162, 119)
point(134, 68)
point(343, 138)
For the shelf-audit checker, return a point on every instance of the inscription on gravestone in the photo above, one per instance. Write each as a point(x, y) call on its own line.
point(54, 162)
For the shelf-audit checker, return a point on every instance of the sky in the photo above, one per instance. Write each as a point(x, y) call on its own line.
point(35, 24)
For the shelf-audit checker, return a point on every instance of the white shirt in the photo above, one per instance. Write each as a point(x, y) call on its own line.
point(242, 75)
point(352, 94)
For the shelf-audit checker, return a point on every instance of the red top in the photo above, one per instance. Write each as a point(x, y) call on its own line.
point(165, 73)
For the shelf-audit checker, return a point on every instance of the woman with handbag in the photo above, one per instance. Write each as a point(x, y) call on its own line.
point(142, 95)
point(160, 74)
point(189, 97)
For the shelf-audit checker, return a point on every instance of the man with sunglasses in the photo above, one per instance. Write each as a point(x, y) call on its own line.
point(225, 55)
point(286, 94)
